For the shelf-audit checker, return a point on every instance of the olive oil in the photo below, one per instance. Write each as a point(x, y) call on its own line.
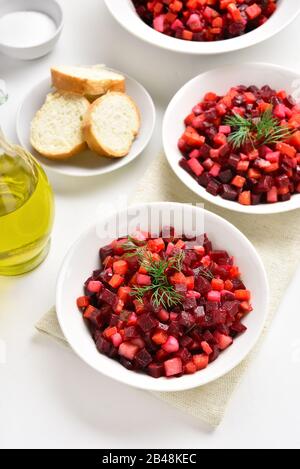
point(26, 213)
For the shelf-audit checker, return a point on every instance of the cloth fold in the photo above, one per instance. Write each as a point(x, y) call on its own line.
point(276, 238)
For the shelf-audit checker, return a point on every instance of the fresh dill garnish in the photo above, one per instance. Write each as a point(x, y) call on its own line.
point(264, 130)
point(241, 130)
point(133, 250)
point(269, 130)
point(161, 291)
point(205, 272)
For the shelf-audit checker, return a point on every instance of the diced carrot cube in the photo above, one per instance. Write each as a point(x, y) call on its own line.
point(120, 267)
point(83, 302)
point(242, 295)
point(116, 281)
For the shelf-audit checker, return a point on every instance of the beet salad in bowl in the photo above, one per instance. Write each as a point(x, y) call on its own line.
point(203, 20)
point(164, 312)
point(238, 148)
point(204, 27)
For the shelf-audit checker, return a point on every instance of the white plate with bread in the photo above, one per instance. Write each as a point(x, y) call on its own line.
point(86, 121)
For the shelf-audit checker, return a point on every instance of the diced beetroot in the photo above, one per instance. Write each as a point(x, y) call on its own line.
point(227, 295)
point(185, 355)
point(187, 319)
point(173, 367)
point(147, 322)
point(189, 303)
point(228, 192)
point(104, 346)
point(238, 327)
point(131, 332)
point(156, 370)
point(202, 285)
point(105, 252)
point(143, 358)
point(214, 187)
point(108, 297)
point(126, 363)
point(215, 354)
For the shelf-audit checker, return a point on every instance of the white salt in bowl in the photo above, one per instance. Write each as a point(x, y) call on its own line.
point(51, 9)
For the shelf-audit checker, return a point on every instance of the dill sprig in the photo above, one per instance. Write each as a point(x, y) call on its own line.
point(133, 250)
point(205, 272)
point(161, 291)
point(241, 133)
point(269, 130)
point(264, 130)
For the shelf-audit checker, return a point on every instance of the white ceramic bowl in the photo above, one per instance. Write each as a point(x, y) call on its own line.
point(220, 81)
point(48, 7)
point(87, 163)
point(83, 258)
point(124, 12)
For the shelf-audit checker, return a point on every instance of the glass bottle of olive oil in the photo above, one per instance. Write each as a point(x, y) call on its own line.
point(26, 211)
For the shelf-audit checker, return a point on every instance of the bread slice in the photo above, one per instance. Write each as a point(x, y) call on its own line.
point(111, 125)
point(56, 130)
point(88, 81)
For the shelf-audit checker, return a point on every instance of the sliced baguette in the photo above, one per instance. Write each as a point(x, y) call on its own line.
point(111, 125)
point(56, 130)
point(87, 81)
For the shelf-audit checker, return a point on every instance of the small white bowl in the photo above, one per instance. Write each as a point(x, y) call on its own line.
point(124, 12)
point(83, 258)
point(220, 81)
point(48, 7)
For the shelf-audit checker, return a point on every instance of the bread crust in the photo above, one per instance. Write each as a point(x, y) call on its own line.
point(85, 87)
point(91, 139)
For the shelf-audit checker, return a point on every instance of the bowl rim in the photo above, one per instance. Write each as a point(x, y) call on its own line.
point(164, 385)
point(262, 209)
point(56, 34)
point(107, 170)
point(150, 36)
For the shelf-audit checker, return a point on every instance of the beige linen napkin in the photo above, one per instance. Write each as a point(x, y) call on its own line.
point(277, 239)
